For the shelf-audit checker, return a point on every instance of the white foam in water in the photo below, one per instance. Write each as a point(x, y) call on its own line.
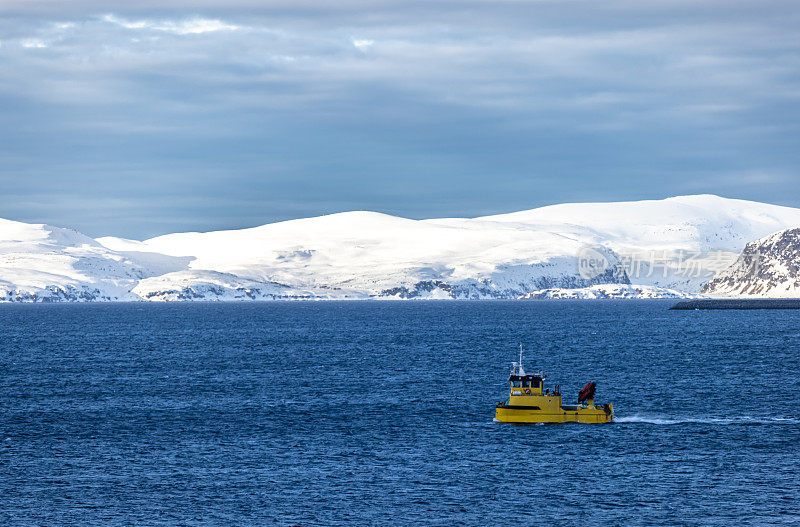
point(705, 420)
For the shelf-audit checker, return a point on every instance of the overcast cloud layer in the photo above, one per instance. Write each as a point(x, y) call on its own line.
point(204, 115)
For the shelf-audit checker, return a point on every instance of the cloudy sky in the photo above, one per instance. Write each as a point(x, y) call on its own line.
point(178, 115)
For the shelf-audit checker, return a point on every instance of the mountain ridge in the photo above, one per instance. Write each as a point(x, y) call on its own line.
point(364, 254)
point(766, 268)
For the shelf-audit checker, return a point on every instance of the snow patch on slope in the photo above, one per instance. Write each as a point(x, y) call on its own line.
point(606, 292)
point(212, 285)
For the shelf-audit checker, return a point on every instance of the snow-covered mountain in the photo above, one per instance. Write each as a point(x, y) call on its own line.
point(677, 243)
point(766, 268)
point(44, 263)
point(367, 255)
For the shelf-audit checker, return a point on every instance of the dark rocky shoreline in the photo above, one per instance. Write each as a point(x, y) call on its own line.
point(735, 303)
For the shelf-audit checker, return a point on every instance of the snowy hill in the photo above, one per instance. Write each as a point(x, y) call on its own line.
point(677, 243)
point(44, 263)
point(366, 254)
point(673, 244)
point(767, 268)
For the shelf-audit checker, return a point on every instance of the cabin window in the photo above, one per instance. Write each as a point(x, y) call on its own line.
point(525, 383)
point(516, 384)
point(537, 382)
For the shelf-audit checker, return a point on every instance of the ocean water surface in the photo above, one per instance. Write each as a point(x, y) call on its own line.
point(368, 413)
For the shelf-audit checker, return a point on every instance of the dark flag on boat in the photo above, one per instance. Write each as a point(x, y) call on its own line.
point(587, 392)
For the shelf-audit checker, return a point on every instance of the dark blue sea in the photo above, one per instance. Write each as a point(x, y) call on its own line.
point(381, 413)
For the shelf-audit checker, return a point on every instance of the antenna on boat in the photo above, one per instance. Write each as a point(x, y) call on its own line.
point(520, 355)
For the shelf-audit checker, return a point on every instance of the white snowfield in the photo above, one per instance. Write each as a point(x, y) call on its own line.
point(673, 244)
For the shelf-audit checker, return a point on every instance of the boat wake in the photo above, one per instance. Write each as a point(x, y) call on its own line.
point(743, 420)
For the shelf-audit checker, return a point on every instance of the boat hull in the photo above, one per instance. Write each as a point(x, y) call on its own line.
point(589, 414)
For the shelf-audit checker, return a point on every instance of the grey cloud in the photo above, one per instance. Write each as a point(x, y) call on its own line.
point(354, 105)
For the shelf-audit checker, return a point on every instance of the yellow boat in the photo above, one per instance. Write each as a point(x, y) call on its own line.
point(529, 402)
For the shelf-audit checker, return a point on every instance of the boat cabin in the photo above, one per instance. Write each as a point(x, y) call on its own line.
point(531, 385)
point(527, 384)
point(524, 384)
